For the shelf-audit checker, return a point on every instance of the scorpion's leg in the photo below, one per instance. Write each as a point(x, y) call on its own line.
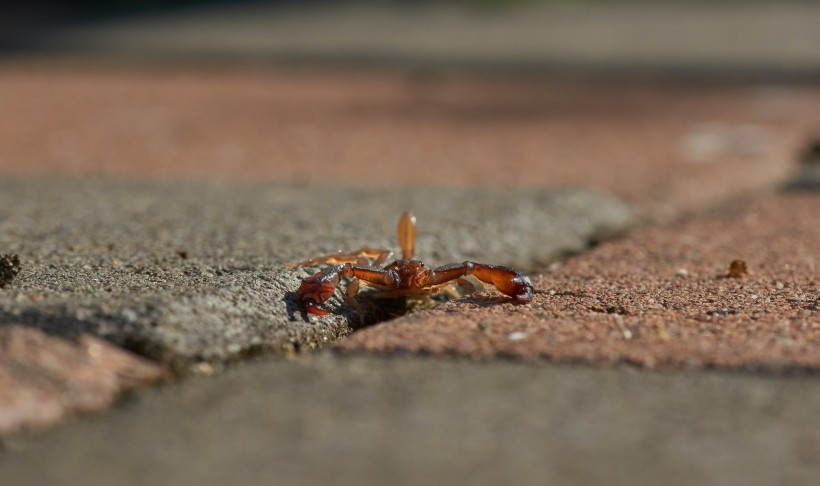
point(317, 288)
point(350, 298)
point(466, 286)
point(507, 280)
point(360, 256)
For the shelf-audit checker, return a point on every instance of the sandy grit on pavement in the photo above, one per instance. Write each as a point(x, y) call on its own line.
point(660, 297)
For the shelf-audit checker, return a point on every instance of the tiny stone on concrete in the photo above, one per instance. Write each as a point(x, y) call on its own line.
point(10, 266)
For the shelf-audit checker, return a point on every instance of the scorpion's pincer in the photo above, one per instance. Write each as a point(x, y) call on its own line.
point(317, 289)
point(524, 292)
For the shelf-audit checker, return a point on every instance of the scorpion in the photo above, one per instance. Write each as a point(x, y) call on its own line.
point(407, 277)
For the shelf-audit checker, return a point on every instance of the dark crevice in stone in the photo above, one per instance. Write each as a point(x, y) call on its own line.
point(808, 174)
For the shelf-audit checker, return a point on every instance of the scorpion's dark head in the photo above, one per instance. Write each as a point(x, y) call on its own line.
point(413, 274)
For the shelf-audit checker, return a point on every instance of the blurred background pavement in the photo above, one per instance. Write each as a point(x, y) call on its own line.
point(734, 39)
point(671, 105)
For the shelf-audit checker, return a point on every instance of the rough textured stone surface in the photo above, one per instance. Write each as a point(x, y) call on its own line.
point(660, 297)
point(324, 420)
point(190, 272)
point(43, 378)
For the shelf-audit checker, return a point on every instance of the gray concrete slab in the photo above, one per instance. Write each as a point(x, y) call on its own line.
point(184, 272)
point(728, 38)
point(358, 420)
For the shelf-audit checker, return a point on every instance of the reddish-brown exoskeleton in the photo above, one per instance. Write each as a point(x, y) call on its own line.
point(405, 277)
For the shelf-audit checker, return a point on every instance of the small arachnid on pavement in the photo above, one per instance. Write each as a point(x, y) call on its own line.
point(403, 278)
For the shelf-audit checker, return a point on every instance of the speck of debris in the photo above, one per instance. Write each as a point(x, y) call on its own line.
point(10, 266)
point(182, 254)
point(484, 324)
point(737, 269)
point(612, 309)
point(721, 312)
point(204, 369)
point(517, 336)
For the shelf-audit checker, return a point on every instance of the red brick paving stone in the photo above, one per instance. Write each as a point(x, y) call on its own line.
point(657, 298)
point(667, 148)
point(43, 379)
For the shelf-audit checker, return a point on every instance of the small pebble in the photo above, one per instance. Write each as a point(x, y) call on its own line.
point(10, 266)
point(517, 336)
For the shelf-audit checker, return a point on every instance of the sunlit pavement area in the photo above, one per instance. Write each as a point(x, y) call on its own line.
point(163, 167)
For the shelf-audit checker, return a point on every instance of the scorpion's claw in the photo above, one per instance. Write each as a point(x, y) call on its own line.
point(313, 308)
point(318, 288)
point(507, 280)
point(524, 294)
